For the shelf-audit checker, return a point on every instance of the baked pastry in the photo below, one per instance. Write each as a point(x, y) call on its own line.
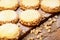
point(8, 16)
point(9, 31)
point(30, 17)
point(8, 4)
point(29, 4)
point(50, 5)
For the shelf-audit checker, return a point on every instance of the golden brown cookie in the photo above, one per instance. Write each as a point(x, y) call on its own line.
point(29, 4)
point(8, 4)
point(30, 17)
point(50, 5)
point(8, 16)
point(9, 31)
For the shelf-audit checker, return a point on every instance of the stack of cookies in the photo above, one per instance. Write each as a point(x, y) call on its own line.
point(30, 16)
point(9, 30)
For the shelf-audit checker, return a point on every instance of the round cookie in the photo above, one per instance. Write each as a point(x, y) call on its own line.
point(9, 31)
point(50, 5)
point(8, 16)
point(8, 4)
point(29, 4)
point(30, 17)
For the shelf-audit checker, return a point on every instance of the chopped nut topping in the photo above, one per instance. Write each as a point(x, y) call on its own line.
point(30, 38)
point(32, 31)
point(41, 38)
point(54, 19)
point(48, 27)
point(23, 31)
point(56, 16)
point(50, 19)
point(49, 30)
point(38, 36)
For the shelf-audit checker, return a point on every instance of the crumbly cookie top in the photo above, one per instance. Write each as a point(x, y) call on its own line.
point(8, 3)
point(30, 2)
point(30, 15)
point(7, 15)
point(51, 3)
point(9, 30)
